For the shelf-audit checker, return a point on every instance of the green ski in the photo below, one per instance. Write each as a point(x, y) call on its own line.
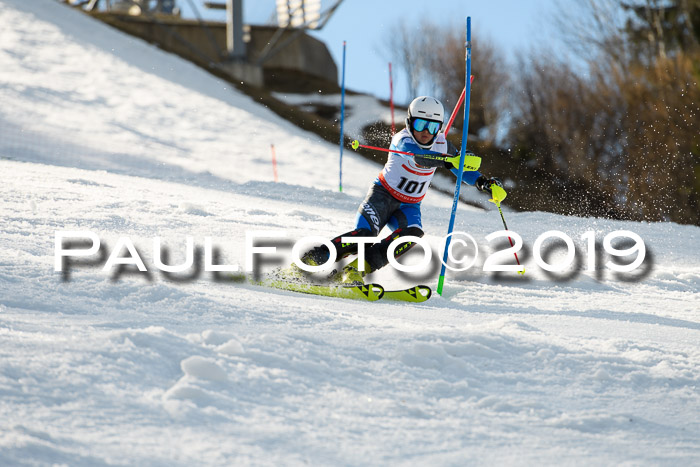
point(289, 279)
point(417, 294)
point(369, 292)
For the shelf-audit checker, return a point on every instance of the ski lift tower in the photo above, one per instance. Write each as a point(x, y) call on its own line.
point(294, 18)
point(235, 45)
point(236, 61)
point(234, 30)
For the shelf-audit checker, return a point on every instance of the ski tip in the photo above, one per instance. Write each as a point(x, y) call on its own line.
point(423, 291)
point(416, 294)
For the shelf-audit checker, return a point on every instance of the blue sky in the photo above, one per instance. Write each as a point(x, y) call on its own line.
point(514, 25)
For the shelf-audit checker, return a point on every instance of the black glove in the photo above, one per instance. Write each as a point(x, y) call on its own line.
point(484, 184)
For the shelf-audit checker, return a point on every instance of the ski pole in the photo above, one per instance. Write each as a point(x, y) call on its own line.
point(498, 205)
point(465, 133)
point(356, 144)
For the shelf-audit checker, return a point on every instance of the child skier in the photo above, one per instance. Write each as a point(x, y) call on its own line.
point(395, 196)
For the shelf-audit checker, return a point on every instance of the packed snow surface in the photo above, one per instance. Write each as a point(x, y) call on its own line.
point(103, 133)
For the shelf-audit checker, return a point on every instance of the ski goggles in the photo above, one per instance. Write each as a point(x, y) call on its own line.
point(420, 124)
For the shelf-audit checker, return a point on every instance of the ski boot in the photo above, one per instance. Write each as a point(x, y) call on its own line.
point(351, 274)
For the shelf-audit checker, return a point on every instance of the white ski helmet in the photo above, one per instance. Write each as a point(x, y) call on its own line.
point(426, 108)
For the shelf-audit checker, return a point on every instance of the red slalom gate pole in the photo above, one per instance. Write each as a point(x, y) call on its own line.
point(459, 104)
point(391, 99)
point(274, 162)
point(454, 112)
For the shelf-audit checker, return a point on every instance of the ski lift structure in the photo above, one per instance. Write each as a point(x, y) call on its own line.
point(291, 14)
point(132, 7)
point(294, 19)
point(299, 15)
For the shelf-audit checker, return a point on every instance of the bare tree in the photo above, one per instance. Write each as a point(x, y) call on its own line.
point(488, 96)
point(629, 125)
point(407, 54)
point(438, 65)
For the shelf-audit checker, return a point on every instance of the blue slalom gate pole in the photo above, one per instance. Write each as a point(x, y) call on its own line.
point(465, 132)
point(342, 120)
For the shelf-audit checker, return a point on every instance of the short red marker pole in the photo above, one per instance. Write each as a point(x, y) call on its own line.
point(274, 162)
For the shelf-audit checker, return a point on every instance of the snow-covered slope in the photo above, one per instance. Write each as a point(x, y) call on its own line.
point(104, 133)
